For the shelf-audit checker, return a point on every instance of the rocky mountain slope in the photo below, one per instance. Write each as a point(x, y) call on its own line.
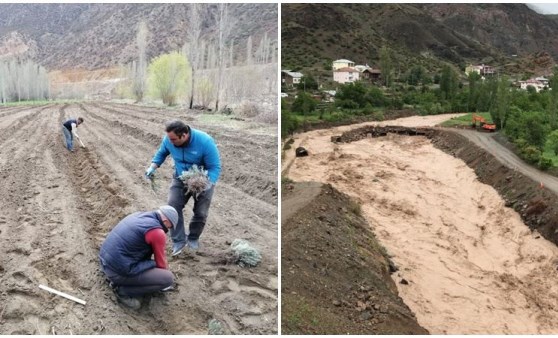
point(93, 36)
point(507, 35)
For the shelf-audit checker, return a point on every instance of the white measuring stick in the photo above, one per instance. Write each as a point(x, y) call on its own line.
point(65, 295)
point(83, 145)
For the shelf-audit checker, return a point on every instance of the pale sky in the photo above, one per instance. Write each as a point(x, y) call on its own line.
point(545, 8)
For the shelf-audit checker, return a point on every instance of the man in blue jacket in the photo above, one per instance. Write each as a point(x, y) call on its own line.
point(188, 146)
point(125, 255)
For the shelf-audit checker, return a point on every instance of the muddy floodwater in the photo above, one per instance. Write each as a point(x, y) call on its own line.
point(472, 265)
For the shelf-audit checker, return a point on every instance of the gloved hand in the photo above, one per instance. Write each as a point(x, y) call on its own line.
point(149, 172)
point(207, 187)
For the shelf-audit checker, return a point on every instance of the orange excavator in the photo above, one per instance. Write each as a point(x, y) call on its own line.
point(490, 127)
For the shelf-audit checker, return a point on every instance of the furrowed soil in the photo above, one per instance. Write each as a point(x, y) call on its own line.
point(470, 232)
point(57, 208)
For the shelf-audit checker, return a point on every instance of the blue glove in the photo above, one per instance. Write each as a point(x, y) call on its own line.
point(149, 172)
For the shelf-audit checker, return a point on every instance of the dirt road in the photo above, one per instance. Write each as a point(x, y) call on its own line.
point(58, 207)
point(471, 265)
point(507, 157)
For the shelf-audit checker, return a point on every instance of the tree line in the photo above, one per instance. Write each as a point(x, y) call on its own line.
point(528, 118)
point(23, 80)
point(197, 72)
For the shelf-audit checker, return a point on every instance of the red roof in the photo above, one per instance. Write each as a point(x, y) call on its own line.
point(346, 69)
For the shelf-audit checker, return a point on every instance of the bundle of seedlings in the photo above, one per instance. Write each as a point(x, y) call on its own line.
point(245, 254)
point(154, 182)
point(195, 179)
point(215, 327)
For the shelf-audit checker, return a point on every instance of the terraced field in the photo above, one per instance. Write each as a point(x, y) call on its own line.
point(59, 206)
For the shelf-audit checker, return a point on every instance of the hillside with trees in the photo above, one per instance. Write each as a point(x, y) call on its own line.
point(205, 56)
point(418, 77)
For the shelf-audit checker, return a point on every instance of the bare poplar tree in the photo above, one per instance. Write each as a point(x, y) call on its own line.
point(202, 56)
point(139, 69)
point(22, 80)
point(249, 51)
point(193, 41)
point(264, 50)
point(225, 25)
point(231, 54)
point(211, 57)
point(274, 52)
point(3, 82)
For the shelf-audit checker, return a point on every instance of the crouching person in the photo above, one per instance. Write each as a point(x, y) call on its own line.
point(126, 255)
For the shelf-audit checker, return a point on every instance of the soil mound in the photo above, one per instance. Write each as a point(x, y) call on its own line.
point(336, 277)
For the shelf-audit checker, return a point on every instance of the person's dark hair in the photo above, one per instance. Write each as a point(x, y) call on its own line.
point(178, 127)
point(80, 119)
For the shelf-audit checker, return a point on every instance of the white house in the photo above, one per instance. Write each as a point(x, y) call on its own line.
point(538, 85)
point(542, 79)
point(342, 63)
point(345, 75)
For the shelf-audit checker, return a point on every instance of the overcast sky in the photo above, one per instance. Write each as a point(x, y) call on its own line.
point(548, 8)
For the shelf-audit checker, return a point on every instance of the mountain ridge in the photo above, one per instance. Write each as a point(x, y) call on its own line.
point(95, 36)
point(510, 36)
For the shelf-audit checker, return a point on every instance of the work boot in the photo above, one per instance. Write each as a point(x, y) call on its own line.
point(193, 244)
point(177, 248)
point(130, 302)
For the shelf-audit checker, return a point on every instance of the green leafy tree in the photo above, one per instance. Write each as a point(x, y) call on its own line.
point(552, 109)
point(375, 97)
point(531, 154)
point(304, 104)
point(474, 79)
point(545, 163)
point(416, 75)
point(487, 94)
point(308, 82)
point(327, 64)
point(500, 109)
point(449, 83)
point(351, 95)
point(386, 66)
point(289, 123)
point(168, 76)
point(535, 129)
point(552, 141)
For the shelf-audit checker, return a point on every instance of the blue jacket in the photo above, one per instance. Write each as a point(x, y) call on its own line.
point(125, 251)
point(200, 150)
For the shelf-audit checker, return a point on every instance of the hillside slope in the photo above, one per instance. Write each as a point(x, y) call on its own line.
point(427, 34)
point(335, 275)
point(93, 36)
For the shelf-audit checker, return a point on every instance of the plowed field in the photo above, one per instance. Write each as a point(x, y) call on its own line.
point(57, 207)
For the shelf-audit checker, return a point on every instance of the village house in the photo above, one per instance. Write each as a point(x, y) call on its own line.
point(289, 78)
point(361, 68)
point(483, 70)
point(342, 63)
point(329, 95)
point(543, 80)
point(346, 75)
point(537, 84)
point(371, 74)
